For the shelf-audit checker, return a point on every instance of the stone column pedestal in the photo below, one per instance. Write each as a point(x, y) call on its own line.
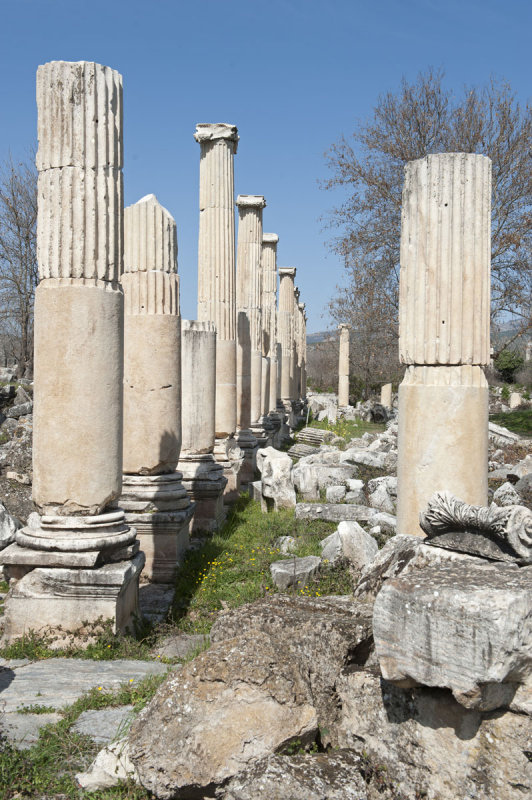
point(78, 561)
point(203, 476)
point(443, 419)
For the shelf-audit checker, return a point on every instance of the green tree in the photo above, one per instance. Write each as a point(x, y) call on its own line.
point(507, 363)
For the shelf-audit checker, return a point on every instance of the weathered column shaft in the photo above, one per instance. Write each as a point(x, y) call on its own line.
point(152, 340)
point(285, 328)
point(269, 320)
point(303, 348)
point(249, 303)
point(153, 496)
point(216, 260)
point(77, 439)
point(444, 332)
point(202, 476)
point(343, 365)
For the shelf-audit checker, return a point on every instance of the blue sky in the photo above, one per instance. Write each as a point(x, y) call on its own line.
point(293, 75)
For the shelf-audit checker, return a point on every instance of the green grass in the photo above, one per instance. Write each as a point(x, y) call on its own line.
point(105, 647)
point(348, 429)
point(518, 421)
point(47, 769)
point(234, 566)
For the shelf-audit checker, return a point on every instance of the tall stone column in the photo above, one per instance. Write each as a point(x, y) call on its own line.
point(216, 281)
point(343, 365)
point(249, 328)
point(269, 320)
point(285, 331)
point(80, 560)
point(303, 347)
point(444, 314)
point(153, 496)
point(203, 477)
point(295, 365)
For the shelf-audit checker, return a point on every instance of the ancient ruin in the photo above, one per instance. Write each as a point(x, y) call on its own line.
point(343, 365)
point(153, 496)
point(203, 476)
point(444, 332)
point(78, 561)
point(216, 281)
point(285, 323)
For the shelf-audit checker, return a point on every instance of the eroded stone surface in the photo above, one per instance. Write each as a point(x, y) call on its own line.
point(423, 618)
point(239, 701)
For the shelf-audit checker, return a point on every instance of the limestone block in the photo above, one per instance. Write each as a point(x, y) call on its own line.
point(294, 571)
point(349, 541)
point(335, 494)
point(444, 303)
point(515, 400)
point(386, 395)
point(198, 385)
point(336, 512)
point(464, 625)
point(80, 116)
point(66, 599)
point(111, 765)
point(335, 776)
point(277, 484)
point(152, 392)
point(8, 527)
point(443, 442)
point(193, 735)
point(427, 744)
point(150, 237)
point(77, 460)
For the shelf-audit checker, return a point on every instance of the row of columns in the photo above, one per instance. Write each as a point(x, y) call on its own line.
point(142, 419)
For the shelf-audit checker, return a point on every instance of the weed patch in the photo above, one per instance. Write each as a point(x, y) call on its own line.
point(518, 421)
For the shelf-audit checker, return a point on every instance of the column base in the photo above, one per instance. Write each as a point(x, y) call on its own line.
point(204, 481)
point(249, 446)
point(159, 508)
point(443, 439)
point(227, 453)
point(58, 600)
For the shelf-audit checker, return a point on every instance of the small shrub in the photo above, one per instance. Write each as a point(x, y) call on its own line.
point(507, 363)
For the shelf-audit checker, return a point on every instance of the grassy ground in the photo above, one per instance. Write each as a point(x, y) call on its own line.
point(518, 421)
point(47, 769)
point(348, 429)
point(234, 566)
point(231, 569)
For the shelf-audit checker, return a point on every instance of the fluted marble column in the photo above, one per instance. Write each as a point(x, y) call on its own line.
point(286, 326)
point(444, 332)
point(153, 495)
point(249, 324)
point(203, 477)
point(216, 281)
point(343, 365)
point(303, 347)
point(269, 312)
point(82, 556)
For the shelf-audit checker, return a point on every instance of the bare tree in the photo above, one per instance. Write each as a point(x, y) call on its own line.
point(421, 118)
point(18, 257)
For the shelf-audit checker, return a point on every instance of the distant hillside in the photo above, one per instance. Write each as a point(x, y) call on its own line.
point(320, 336)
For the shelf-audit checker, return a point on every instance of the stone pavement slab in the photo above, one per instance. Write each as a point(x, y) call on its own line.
point(105, 724)
point(22, 730)
point(58, 682)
